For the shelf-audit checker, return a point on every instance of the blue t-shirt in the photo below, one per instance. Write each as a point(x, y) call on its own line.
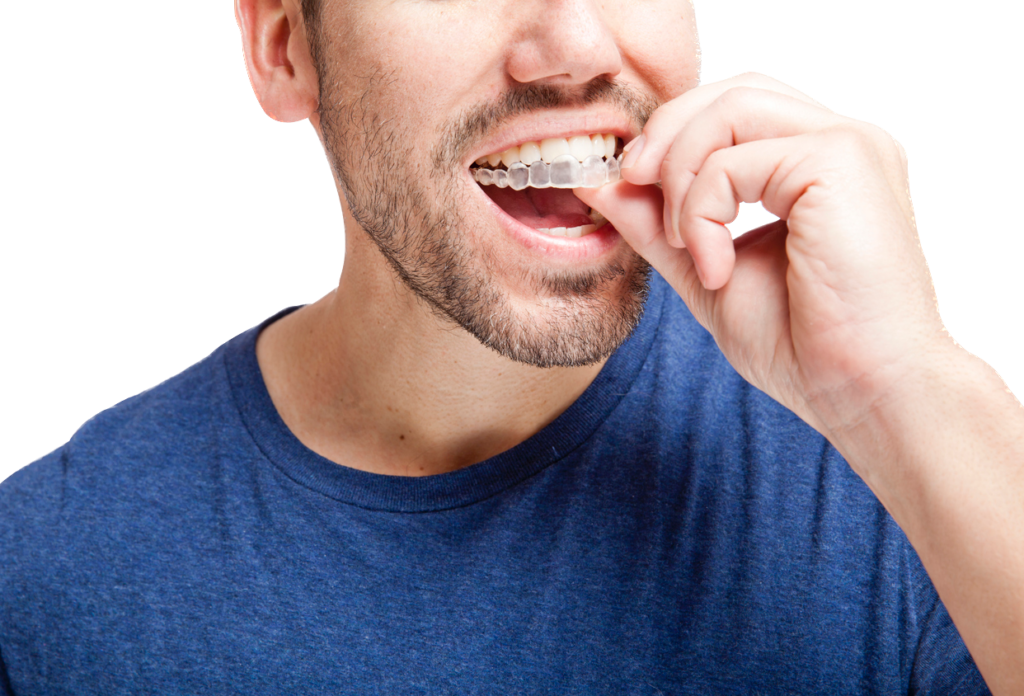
point(675, 531)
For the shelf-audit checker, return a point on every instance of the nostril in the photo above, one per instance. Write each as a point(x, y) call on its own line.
point(570, 44)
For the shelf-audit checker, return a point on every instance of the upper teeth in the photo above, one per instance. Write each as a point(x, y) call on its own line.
point(579, 146)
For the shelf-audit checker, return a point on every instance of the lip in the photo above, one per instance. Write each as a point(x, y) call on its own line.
point(571, 250)
point(537, 126)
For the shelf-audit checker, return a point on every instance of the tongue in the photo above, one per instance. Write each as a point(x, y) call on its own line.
point(541, 208)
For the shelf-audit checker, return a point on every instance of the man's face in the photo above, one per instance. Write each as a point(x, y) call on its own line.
point(414, 92)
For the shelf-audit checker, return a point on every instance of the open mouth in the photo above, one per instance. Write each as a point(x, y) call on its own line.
point(533, 181)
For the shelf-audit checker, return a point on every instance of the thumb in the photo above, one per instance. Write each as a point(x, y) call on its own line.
point(637, 213)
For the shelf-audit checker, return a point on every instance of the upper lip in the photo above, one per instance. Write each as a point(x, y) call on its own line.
point(542, 125)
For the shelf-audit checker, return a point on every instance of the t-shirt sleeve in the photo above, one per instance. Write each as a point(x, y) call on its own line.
point(942, 663)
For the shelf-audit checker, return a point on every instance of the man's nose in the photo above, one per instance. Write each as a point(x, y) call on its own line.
point(563, 42)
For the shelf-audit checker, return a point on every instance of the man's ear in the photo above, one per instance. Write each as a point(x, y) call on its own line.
point(277, 57)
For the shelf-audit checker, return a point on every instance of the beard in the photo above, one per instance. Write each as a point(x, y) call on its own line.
point(413, 209)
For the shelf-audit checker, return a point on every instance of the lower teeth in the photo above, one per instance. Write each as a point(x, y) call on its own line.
point(564, 172)
point(581, 231)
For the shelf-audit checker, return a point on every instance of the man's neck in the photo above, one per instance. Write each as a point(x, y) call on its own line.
point(369, 377)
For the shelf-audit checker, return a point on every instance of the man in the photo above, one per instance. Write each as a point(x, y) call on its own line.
point(491, 460)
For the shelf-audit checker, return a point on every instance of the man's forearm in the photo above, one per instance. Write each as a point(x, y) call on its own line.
point(946, 457)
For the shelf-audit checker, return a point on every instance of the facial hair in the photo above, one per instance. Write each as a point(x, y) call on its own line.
point(412, 209)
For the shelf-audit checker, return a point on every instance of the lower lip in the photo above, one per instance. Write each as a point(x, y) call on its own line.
point(588, 247)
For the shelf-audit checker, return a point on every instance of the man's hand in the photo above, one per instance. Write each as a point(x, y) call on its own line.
point(824, 310)
point(831, 311)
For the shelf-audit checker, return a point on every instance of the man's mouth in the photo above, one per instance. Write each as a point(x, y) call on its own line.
point(532, 181)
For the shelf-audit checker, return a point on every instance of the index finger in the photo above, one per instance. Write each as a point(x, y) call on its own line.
point(672, 116)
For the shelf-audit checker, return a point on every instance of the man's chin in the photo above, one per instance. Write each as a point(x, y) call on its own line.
point(571, 319)
point(534, 298)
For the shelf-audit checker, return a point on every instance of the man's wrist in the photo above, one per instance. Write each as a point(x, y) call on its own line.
point(894, 427)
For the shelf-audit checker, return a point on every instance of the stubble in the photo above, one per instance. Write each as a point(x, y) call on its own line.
point(412, 208)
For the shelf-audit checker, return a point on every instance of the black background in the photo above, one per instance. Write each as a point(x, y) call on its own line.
point(177, 215)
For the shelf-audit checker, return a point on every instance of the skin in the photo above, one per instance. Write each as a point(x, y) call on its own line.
point(830, 310)
point(371, 376)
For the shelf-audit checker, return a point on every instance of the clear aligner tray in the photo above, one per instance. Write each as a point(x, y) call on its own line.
point(565, 172)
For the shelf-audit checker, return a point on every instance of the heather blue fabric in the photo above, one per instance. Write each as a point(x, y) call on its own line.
point(675, 531)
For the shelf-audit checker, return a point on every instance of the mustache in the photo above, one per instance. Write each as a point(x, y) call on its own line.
point(476, 122)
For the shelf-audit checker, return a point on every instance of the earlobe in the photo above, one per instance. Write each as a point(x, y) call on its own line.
point(277, 57)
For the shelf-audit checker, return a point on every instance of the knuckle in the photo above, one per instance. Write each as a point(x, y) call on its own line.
point(735, 97)
point(716, 161)
point(867, 141)
point(852, 140)
point(675, 182)
point(759, 82)
point(756, 79)
point(676, 163)
point(888, 145)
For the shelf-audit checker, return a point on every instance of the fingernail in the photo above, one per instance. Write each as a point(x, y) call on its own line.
point(633, 149)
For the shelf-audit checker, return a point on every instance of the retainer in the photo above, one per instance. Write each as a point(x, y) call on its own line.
point(565, 172)
point(587, 161)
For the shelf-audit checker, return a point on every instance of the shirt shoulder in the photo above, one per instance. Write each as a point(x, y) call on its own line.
point(131, 453)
